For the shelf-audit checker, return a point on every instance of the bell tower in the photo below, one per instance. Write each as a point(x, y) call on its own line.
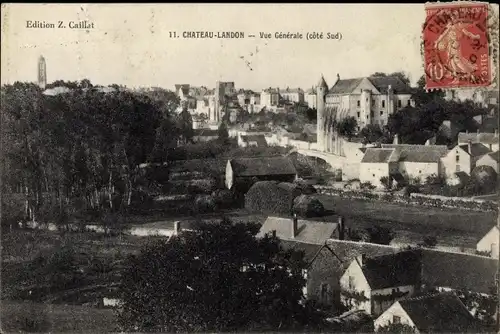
point(42, 72)
point(321, 91)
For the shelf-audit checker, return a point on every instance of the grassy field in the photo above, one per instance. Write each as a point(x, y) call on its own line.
point(38, 317)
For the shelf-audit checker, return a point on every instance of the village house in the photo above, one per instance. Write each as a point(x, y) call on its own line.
point(251, 170)
point(373, 284)
point(433, 313)
point(310, 98)
point(310, 237)
point(252, 140)
point(490, 242)
point(480, 97)
point(490, 140)
point(490, 159)
point(293, 95)
point(370, 100)
point(377, 163)
point(204, 135)
point(419, 161)
point(463, 158)
point(269, 97)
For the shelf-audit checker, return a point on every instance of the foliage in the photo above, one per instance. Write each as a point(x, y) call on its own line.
point(484, 179)
point(308, 206)
point(84, 146)
point(218, 278)
point(483, 305)
point(354, 298)
point(380, 235)
point(401, 75)
point(223, 134)
point(483, 253)
point(435, 180)
point(347, 126)
point(396, 328)
point(429, 241)
point(185, 126)
point(204, 204)
point(386, 182)
point(372, 133)
point(271, 197)
point(422, 97)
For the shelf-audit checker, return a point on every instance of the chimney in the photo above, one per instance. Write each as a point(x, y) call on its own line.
point(361, 259)
point(469, 144)
point(177, 227)
point(338, 77)
point(294, 225)
point(341, 228)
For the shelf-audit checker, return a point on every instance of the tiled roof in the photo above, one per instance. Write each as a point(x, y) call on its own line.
point(345, 86)
point(309, 231)
point(398, 86)
point(310, 250)
point(440, 269)
point(392, 270)
point(311, 91)
point(292, 90)
point(443, 312)
point(419, 153)
point(476, 149)
point(262, 166)
point(199, 165)
point(259, 139)
point(322, 82)
point(495, 156)
point(377, 155)
point(481, 137)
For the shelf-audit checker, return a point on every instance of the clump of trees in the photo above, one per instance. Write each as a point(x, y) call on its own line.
point(217, 278)
point(83, 148)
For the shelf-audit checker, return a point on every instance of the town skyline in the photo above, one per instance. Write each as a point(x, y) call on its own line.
point(122, 49)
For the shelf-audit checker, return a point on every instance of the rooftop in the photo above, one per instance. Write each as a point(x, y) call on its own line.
point(262, 166)
point(443, 312)
point(308, 231)
point(481, 137)
point(377, 155)
point(476, 149)
point(381, 83)
point(418, 153)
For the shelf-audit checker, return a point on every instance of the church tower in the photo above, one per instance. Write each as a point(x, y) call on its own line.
point(321, 91)
point(42, 72)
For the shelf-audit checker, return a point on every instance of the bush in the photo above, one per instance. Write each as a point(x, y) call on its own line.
point(380, 235)
point(308, 206)
point(271, 197)
point(429, 241)
point(484, 179)
point(386, 182)
point(224, 199)
point(204, 204)
point(367, 186)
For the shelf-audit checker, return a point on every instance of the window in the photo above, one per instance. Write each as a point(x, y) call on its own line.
point(372, 113)
point(396, 319)
point(359, 103)
point(457, 158)
point(383, 103)
point(351, 282)
point(458, 168)
point(399, 103)
point(381, 112)
point(325, 291)
point(358, 114)
point(408, 103)
point(373, 101)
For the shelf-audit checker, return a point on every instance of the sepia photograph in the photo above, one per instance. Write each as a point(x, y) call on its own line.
point(250, 168)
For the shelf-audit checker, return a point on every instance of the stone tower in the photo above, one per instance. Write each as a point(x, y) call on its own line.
point(42, 72)
point(321, 91)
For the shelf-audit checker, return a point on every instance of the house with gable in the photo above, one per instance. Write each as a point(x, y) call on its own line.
point(373, 284)
point(490, 242)
point(292, 95)
point(377, 163)
point(433, 313)
point(463, 158)
point(310, 237)
point(490, 140)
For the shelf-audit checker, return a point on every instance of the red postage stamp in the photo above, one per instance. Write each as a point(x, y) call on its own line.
point(456, 45)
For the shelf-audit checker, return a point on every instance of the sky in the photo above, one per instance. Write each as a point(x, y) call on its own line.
point(130, 44)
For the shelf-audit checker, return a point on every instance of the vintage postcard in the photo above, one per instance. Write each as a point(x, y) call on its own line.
point(250, 167)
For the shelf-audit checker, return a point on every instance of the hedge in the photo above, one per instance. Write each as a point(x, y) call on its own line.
point(415, 199)
point(271, 197)
point(308, 206)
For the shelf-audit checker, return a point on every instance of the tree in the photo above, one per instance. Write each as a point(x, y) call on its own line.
point(217, 278)
point(347, 126)
point(484, 179)
point(386, 182)
point(380, 235)
point(422, 97)
point(396, 328)
point(223, 134)
point(312, 115)
point(185, 125)
point(372, 133)
point(401, 75)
